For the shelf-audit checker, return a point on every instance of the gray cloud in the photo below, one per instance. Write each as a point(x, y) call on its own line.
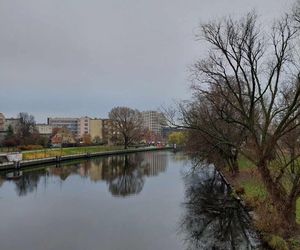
point(76, 57)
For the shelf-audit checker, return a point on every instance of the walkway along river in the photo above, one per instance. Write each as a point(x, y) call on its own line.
point(139, 201)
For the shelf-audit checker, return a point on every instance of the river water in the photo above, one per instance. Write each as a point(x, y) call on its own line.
point(142, 201)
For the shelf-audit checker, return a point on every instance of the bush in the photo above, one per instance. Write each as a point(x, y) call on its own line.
point(30, 147)
point(275, 242)
point(294, 244)
point(240, 191)
point(268, 219)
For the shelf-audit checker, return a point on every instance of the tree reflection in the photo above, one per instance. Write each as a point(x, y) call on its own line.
point(28, 183)
point(213, 218)
point(129, 179)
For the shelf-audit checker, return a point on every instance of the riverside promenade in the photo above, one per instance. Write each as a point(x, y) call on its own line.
point(58, 159)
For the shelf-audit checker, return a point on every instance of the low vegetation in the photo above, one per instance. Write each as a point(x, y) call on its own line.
point(179, 138)
point(250, 187)
point(39, 154)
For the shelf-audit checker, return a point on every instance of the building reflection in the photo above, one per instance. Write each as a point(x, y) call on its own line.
point(213, 218)
point(154, 164)
point(124, 174)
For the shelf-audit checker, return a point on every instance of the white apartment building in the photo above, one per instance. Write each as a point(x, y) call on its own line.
point(84, 126)
point(154, 121)
point(72, 124)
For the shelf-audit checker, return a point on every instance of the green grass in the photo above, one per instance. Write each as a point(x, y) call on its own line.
point(256, 196)
point(44, 153)
point(298, 211)
point(276, 242)
point(244, 163)
point(254, 189)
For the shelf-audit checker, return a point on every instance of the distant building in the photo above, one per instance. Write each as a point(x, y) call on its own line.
point(93, 127)
point(2, 128)
point(83, 126)
point(44, 129)
point(2, 122)
point(154, 121)
point(5, 123)
point(72, 124)
point(13, 122)
point(63, 137)
point(96, 129)
point(80, 126)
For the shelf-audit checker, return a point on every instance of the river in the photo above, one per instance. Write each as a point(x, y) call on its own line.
point(142, 201)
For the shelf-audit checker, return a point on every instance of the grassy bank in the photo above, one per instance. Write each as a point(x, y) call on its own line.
point(45, 153)
point(249, 186)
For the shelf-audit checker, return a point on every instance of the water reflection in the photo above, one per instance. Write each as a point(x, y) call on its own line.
point(213, 219)
point(124, 174)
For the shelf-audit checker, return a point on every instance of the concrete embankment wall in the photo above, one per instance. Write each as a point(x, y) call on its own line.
point(29, 163)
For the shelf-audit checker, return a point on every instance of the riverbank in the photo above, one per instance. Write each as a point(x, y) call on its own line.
point(87, 154)
point(53, 152)
point(249, 186)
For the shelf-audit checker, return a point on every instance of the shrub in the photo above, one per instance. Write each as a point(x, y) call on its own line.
point(294, 244)
point(240, 190)
point(268, 219)
point(30, 147)
point(275, 242)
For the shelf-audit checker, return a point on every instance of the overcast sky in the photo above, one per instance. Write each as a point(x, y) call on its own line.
point(83, 57)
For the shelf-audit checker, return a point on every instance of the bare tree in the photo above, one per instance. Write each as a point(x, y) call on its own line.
point(296, 13)
point(252, 72)
point(212, 138)
point(128, 124)
point(26, 128)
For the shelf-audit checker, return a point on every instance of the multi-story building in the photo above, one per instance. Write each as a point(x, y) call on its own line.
point(72, 124)
point(91, 126)
point(83, 126)
point(96, 129)
point(154, 121)
point(80, 126)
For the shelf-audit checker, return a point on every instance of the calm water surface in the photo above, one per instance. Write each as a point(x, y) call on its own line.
point(148, 201)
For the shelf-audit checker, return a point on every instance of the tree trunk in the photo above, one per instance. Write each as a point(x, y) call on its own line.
point(287, 215)
point(236, 169)
point(285, 207)
point(125, 143)
point(290, 214)
point(234, 166)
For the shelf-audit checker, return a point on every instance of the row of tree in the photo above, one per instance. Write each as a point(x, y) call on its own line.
point(246, 101)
